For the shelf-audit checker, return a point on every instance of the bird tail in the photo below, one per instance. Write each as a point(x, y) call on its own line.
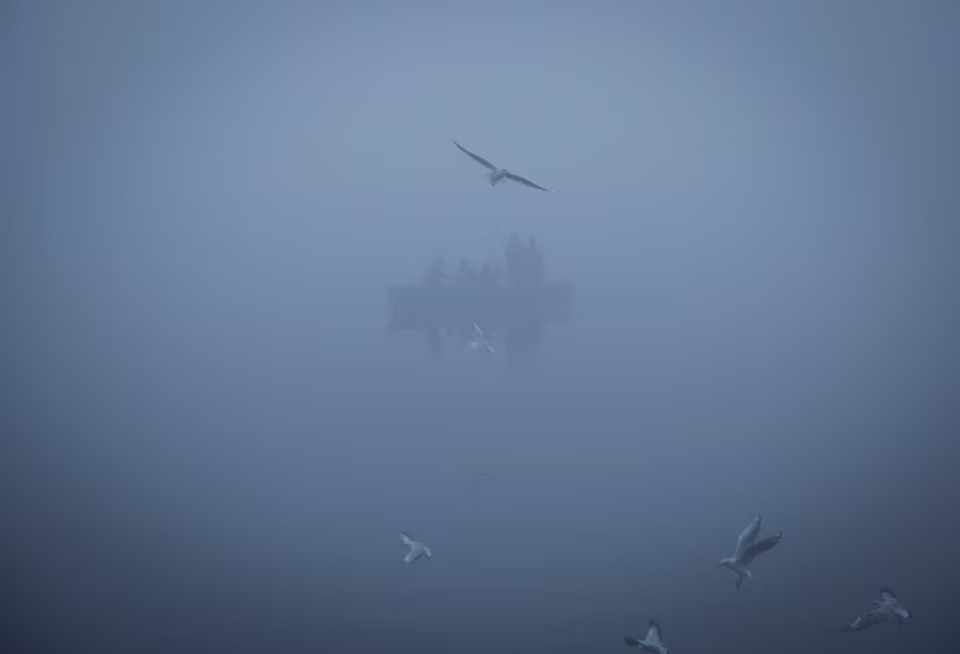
point(743, 574)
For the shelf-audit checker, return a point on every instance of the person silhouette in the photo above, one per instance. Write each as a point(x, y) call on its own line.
point(514, 259)
point(436, 275)
point(535, 257)
point(466, 277)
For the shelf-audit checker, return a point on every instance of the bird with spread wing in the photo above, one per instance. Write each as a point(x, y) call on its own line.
point(653, 642)
point(887, 608)
point(496, 174)
point(415, 549)
point(749, 548)
point(480, 340)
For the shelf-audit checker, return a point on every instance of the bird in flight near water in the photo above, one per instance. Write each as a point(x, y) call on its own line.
point(749, 548)
point(480, 340)
point(653, 643)
point(497, 174)
point(416, 548)
point(888, 607)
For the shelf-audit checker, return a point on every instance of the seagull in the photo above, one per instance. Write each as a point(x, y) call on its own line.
point(480, 340)
point(749, 548)
point(652, 643)
point(496, 174)
point(417, 549)
point(886, 608)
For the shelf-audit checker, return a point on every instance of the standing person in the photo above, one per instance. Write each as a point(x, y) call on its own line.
point(536, 262)
point(497, 274)
point(514, 257)
point(465, 275)
point(486, 275)
point(436, 275)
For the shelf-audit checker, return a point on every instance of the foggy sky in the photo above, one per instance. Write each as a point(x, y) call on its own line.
point(211, 442)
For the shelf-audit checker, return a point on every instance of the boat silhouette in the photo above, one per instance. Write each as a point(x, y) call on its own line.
point(515, 311)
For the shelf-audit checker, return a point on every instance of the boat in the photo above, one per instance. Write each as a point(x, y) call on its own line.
point(515, 310)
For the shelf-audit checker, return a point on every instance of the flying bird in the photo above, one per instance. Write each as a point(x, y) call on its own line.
point(888, 607)
point(748, 548)
point(652, 643)
point(480, 340)
point(497, 174)
point(416, 550)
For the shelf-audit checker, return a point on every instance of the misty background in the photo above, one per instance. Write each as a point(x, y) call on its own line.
point(210, 441)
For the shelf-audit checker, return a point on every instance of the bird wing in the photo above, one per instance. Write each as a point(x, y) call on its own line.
point(747, 536)
point(525, 181)
point(758, 548)
point(407, 540)
point(476, 157)
point(867, 619)
point(416, 551)
point(889, 601)
point(653, 634)
point(477, 329)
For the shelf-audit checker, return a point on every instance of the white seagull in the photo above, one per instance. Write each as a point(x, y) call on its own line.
point(749, 548)
point(652, 643)
point(496, 174)
point(480, 340)
point(888, 607)
point(416, 550)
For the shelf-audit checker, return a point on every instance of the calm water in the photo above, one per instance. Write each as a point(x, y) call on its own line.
point(210, 441)
point(241, 484)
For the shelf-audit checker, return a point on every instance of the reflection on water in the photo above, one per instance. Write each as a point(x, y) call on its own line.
point(518, 336)
point(512, 314)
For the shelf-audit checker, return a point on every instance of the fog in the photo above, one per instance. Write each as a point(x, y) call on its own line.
point(211, 440)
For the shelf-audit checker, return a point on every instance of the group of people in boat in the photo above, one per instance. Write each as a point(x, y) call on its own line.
point(524, 268)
